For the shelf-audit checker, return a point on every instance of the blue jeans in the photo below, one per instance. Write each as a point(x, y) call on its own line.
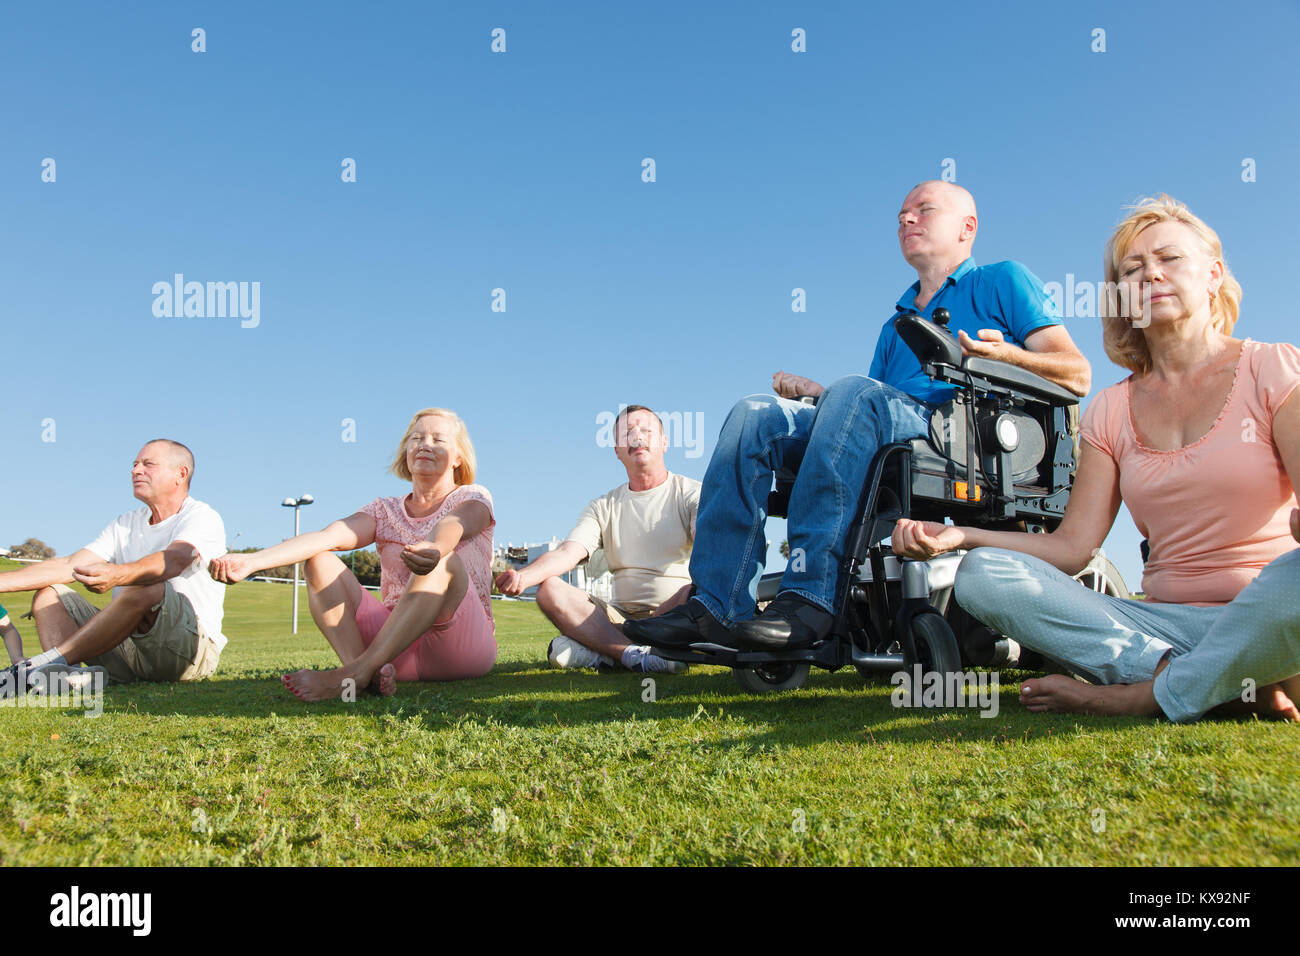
point(832, 446)
point(1212, 650)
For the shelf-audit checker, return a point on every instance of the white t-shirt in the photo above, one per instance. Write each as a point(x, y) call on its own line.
point(131, 537)
point(646, 537)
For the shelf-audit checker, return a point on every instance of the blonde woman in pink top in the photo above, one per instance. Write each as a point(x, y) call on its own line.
point(433, 619)
point(1202, 442)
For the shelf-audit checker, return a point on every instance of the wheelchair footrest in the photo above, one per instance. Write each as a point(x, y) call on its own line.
point(827, 654)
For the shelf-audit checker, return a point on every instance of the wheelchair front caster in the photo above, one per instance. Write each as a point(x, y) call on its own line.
point(936, 648)
point(771, 677)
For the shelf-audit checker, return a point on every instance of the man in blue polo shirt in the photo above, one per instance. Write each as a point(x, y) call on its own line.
point(998, 311)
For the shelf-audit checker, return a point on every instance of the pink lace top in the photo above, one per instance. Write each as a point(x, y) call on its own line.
point(395, 529)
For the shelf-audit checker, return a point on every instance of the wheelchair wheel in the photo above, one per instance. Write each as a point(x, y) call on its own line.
point(936, 648)
point(1102, 575)
point(771, 677)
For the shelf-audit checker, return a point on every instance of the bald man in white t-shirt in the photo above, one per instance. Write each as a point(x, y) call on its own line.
point(164, 621)
point(645, 528)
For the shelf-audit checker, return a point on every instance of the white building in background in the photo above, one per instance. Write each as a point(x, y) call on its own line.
point(591, 576)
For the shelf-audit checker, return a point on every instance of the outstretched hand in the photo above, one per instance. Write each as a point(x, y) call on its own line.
point(230, 568)
point(922, 540)
point(510, 582)
point(421, 559)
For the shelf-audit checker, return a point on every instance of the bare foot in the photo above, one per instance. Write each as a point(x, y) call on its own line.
point(385, 681)
point(1271, 703)
point(309, 685)
point(1057, 693)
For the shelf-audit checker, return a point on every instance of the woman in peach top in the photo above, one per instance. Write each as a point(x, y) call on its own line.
point(433, 620)
point(1202, 442)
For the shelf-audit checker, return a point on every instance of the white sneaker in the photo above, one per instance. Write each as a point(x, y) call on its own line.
point(63, 678)
point(643, 659)
point(566, 654)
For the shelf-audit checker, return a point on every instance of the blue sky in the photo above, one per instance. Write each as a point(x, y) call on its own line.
point(522, 171)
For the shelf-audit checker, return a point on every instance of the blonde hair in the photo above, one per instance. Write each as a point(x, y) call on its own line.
point(468, 467)
point(1125, 343)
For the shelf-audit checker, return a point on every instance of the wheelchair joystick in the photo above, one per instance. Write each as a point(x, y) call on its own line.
point(941, 316)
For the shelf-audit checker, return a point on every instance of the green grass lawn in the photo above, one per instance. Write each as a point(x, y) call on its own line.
point(531, 765)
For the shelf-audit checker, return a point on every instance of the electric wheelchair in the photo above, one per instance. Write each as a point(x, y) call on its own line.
point(1000, 454)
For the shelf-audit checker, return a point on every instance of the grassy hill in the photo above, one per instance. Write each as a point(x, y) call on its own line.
point(532, 765)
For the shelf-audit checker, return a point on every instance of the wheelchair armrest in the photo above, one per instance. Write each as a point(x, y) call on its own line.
point(934, 345)
point(1020, 379)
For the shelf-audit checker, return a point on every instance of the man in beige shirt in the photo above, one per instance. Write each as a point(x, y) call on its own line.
point(646, 528)
point(164, 621)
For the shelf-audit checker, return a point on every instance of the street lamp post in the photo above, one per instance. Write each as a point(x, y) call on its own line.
point(295, 504)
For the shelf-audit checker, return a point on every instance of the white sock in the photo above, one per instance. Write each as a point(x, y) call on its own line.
point(52, 656)
point(632, 656)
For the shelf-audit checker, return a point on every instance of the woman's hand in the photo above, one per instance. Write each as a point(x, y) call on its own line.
point(924, 539)
point(792, 386)
point(510, 582)
point(230, 568)
point(421, 559)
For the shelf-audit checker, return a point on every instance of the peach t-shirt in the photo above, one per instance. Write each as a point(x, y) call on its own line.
point(1215, 511)
point(395, 529)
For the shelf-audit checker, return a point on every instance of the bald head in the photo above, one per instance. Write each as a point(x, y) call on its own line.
point(958, 197)
point(175, 454)
point(937, 226)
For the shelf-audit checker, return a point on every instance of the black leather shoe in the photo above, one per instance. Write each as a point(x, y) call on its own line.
point(788, 622)
point(682, 626)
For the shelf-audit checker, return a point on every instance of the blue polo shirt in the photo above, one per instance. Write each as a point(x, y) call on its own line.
point(1004, 295)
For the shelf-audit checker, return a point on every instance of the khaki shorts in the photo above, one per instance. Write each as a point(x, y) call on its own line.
point(174, 649)
point(618, 613)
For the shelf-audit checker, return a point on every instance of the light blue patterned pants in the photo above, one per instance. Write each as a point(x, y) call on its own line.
point(1213, 651)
